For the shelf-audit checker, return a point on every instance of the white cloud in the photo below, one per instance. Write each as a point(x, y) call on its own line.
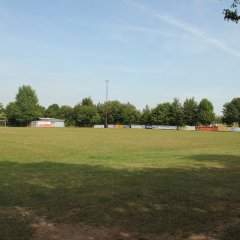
point(198, 33)
point(149, 31)
point(187, 28)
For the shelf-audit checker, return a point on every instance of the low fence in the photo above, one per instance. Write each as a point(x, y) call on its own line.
point(163, 127)
point(220, 128)
point(98, 126)
point(235, 129)
point(224, 129)
point(113, 126)
point(206, 128)
point(187, 128)
point(138, 126)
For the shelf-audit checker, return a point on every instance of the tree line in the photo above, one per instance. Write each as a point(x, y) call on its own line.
point(26, 108)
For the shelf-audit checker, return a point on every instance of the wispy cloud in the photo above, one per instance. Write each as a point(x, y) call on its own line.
point(149, 31)
point(195, 31)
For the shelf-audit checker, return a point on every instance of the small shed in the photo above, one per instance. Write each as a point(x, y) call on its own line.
point(48, 122)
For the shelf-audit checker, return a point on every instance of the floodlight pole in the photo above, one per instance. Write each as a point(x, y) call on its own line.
point(106, 105)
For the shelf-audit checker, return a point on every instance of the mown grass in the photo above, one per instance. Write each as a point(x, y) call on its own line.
point(147, 181)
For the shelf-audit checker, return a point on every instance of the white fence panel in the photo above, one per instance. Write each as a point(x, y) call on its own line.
point(234, 129)
point(138, 126)
point(98, 126)
point(113, 126)
point(163, 127)
point(187, 128)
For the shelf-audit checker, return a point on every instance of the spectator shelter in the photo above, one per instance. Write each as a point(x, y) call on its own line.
point(47, 122)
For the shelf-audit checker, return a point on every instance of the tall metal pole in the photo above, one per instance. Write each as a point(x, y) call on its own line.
point(106, 104)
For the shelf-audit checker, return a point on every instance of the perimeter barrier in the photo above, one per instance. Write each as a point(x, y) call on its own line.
point(98, 126)
point(235, 129)
point(163, 127)
point(113, 126)
point(187, 128)
point(224, 129)
point(206, 128)
point(220, 128)
point(138, 126)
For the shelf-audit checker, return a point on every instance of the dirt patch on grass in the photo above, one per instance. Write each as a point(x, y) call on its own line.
point(44, 229)
point(84, 232)
point(48, 231)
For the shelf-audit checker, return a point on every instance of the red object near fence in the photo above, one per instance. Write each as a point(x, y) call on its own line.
point(205, 128)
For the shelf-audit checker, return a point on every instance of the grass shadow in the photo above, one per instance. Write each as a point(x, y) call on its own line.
point(149, 201)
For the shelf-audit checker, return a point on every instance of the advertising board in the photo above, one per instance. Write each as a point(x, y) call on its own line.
point(164, 127)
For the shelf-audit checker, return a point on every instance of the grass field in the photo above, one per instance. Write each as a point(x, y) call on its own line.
point(119, 184)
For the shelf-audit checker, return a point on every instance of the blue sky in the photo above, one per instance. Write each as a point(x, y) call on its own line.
point(150, 50)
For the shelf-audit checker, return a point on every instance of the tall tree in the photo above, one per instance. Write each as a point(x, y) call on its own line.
point(87, 101)
point(231, 112)
point(146, 116)
point(190, 112)
point(176, 113)
point(206, 114)
point(101, 112)
point(161, 115)
point(66, 113)
point(42, 111)
point(53, 111)
point(115, 112)
point(130, 114)
point(232, 13)
point(85, 114)
point(13, 113)
point(28, 108)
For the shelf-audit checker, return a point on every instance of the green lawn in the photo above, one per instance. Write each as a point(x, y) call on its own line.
point(150, 182)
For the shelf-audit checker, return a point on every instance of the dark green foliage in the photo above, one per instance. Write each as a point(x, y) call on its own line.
point(27, 104)
point(206, 114)
point(87, 101)
point(66, 113)
point(25, 109)
point(85, 115)
point(12, 113)
point(146, 116)
point(161, 115)
point(130, 114)
point(115, 110)
point(232, 15)
point(101, 108)
point(176, 113)
point(119, 113)
point(231, 112)
point(53, 111)
point(190, 108)
point(42, 111)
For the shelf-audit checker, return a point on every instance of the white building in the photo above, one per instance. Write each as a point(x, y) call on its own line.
point(47, 122)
